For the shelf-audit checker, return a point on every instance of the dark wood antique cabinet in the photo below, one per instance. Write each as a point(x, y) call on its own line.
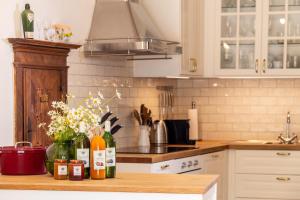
point(40, 77)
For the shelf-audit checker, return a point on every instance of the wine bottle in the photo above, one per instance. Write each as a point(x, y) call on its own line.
point(28, 22)
point(97, 157)
point(82, 152)
point(110, 151)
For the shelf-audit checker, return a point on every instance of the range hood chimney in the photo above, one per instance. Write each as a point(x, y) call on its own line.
point(123, 27)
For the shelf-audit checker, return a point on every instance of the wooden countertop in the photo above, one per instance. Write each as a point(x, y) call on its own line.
point(136, 183)
point(204, 147)
point(261, 145)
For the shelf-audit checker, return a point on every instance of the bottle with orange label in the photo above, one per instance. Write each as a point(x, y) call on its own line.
point(97, 149)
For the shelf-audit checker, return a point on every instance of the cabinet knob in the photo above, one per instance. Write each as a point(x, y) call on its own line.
point(193, 65)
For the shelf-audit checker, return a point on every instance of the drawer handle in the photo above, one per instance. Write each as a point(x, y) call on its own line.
point(164, 166)
point(283, 154)
point(284, 179)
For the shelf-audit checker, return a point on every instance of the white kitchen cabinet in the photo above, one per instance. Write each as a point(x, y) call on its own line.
point(255, 38)
point(216, 163)
point(268, 186)
point(264, 174)
point(268, 162)
point(181, 21)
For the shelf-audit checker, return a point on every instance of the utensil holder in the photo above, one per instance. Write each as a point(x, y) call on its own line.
point(144, 136)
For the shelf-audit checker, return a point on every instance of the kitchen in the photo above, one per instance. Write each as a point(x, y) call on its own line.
point(242, 99)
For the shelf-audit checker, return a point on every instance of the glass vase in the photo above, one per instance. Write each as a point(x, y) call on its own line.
point(59, 150)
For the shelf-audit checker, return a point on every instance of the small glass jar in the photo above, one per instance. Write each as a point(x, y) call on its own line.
point(76, 170)
point(60, 169)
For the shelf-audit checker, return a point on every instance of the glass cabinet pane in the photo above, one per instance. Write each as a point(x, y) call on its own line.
point(246, 55)
point(275, 54)
point(294, 25)
point(247, 5)
point(293, 54)
point(228, 27)
point(294, 5)
point(228, 55)
point(229, 6)
point(277, 25)
point(247, 26)
point(277, 5)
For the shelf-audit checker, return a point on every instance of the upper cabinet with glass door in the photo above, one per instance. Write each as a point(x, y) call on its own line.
point(281, 44)
point(257, 38)
point(238, 41)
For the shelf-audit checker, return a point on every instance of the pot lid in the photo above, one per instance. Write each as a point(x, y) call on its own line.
point(22, 149)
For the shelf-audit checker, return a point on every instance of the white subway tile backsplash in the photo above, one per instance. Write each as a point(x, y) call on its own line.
point(229, 109)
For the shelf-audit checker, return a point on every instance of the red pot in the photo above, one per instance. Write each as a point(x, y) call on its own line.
point(25, 160)
point(0, 157)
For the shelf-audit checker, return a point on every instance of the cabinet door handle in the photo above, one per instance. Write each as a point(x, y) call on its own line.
point(256, 65)
point(264, 67)
point(283, 179)
point(193, 65)
point(283, 154)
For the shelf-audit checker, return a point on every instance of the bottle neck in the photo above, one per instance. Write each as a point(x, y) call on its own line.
point(107, 126)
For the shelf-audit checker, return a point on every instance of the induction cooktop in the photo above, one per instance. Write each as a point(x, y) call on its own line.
point(153, 149)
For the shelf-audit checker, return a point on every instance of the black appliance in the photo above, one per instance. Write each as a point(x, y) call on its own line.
point(178, 132)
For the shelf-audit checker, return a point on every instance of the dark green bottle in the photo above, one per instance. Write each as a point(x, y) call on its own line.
point(82, 152)
point(110, 152)
point(28, 22)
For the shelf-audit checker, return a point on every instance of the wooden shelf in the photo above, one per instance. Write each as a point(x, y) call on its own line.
point(42, 43)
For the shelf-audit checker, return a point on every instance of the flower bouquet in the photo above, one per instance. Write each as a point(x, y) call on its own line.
point(71, 126)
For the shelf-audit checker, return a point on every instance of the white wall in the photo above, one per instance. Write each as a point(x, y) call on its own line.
point(76, 13)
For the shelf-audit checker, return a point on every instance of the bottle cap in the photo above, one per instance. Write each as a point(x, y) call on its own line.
point(27, 6)
point(107, 126)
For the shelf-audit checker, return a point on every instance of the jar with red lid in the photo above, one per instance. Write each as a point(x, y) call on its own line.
point(76, 170)
point(60, 169)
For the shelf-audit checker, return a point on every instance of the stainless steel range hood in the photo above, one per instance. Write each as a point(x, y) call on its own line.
point(123, 27)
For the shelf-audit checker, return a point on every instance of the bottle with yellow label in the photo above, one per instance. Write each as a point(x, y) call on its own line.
point(98, 159)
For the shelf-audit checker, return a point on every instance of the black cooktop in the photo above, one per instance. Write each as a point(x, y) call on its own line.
point(152, 150)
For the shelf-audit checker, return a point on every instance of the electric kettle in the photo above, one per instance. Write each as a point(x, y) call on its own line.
point(159, 134)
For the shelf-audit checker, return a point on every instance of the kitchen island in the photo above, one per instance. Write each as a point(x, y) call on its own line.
point(125, 187)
